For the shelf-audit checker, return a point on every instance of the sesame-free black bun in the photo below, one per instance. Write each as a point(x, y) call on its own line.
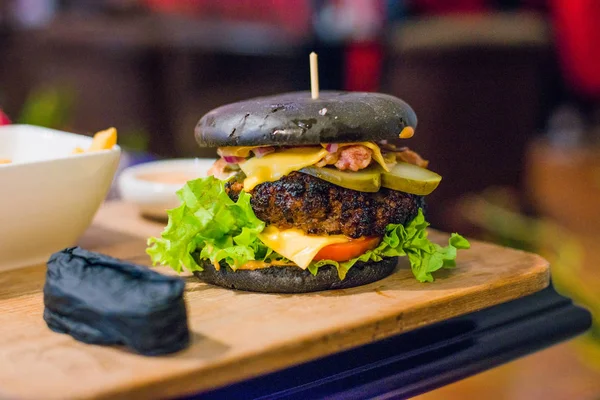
point(296, 119)
point(295, 280)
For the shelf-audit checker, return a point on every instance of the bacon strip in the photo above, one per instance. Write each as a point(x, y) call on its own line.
point(221, 169)
point(329, 159)
point(411, 157)
point(354, 158)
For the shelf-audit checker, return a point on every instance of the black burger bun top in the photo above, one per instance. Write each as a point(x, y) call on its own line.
point(296, 119)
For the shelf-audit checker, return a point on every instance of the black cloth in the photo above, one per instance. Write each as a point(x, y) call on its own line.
point(102, 300)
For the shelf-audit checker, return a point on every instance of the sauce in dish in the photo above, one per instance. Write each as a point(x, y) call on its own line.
point(152, 186)
point(167, 177)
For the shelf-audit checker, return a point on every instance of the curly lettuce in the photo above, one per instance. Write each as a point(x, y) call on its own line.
point(208, 222)
point(208, 225)
point(411, 240)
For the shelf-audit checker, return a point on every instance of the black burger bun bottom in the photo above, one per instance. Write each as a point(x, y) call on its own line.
point(294, 279)
point(293, 119)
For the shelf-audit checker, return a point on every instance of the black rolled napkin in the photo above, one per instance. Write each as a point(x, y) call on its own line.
point(102, 300)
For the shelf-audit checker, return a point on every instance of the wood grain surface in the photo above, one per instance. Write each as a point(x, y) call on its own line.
point(237, 335)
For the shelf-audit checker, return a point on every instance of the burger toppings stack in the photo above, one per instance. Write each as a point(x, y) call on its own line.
point(301, 200)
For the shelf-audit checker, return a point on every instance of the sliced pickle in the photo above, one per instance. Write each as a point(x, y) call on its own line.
point(364, 180)
point(410, 178)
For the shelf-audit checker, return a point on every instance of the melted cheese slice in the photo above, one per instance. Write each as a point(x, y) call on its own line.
point(274, 166)
point(237, 151)
point(297, 246)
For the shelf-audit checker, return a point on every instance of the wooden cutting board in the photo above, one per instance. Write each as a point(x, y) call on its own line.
point(237, 335)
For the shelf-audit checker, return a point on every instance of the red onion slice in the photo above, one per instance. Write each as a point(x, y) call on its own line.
point(233, 159)
point(332, 147)
point(261, 151)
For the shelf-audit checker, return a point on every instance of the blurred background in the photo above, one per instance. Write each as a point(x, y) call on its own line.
point(507, 93)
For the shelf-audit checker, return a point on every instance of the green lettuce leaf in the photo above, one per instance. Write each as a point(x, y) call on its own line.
point(411, 240)
point(210, 224)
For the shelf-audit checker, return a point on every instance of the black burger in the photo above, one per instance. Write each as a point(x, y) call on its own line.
point(306, 195)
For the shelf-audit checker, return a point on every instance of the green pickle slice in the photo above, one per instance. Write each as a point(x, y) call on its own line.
point(364, 180)
point(410, 178)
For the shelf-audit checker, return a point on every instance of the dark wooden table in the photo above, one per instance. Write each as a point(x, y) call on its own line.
point(425, 359)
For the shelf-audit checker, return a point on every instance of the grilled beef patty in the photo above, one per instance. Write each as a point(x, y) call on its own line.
point(318, 207)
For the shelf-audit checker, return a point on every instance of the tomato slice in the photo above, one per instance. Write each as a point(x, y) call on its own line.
point(348, 250)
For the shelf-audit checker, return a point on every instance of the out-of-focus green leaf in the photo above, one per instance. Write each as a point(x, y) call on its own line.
point(49, 107)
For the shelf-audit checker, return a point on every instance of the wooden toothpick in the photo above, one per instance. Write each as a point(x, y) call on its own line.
point(314, 76)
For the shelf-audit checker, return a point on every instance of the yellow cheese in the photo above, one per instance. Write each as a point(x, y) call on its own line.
point(297, 246)
point(254, 265)
point(377, 156)
point(237, 151)
point(274, 166)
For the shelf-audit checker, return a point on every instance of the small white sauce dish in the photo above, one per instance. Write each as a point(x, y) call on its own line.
point(49, 195)
point(152, 186)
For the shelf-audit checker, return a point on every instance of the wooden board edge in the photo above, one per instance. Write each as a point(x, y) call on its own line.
point(289, 355)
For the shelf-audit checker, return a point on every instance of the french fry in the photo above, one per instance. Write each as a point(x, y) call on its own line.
point(5, 161)
point(103, 140)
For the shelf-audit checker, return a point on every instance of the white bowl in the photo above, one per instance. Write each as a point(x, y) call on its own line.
point(48, 196)
point(152, 186)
